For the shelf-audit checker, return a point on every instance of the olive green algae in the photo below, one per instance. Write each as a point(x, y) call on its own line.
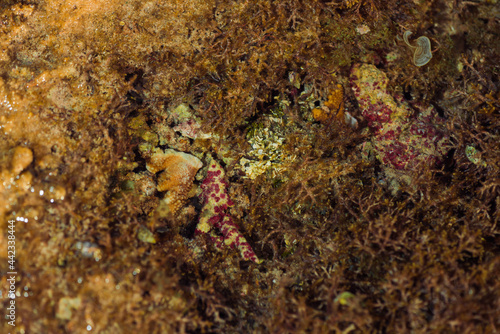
point(89, 90)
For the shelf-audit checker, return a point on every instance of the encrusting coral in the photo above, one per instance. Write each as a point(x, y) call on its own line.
point(402, 141)
point(177, 177)
point(214, 214)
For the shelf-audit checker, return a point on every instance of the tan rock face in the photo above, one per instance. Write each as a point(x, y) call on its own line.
point(14, 183)
point(21, 159)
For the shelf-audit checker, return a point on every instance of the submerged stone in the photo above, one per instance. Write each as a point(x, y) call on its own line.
point(403, 138)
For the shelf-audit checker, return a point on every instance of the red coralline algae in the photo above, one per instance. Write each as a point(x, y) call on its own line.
point(214, 214)
point(403, 138)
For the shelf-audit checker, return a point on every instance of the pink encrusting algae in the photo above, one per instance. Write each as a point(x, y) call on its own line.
point(214, 215)
point(403, 138)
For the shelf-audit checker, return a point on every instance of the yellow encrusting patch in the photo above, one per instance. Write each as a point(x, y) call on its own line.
point(334, 106)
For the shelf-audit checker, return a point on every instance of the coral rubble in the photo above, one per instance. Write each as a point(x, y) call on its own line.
point(266, 154)
point(214, 214)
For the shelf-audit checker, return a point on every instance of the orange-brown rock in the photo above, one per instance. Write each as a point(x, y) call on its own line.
point(21, 159)
point(178, 171)
point(334, 106)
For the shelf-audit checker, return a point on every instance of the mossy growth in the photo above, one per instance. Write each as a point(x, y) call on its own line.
point(91, 88)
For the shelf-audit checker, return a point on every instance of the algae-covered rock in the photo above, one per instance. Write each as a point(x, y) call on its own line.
point(404, 138)
point(67, 306)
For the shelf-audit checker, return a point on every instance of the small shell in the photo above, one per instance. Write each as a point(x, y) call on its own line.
point(474, 156)
point(422, 54)
point(145, 235)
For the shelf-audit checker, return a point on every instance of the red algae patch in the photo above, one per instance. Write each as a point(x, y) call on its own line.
point(214, 215)
point(403, 137)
